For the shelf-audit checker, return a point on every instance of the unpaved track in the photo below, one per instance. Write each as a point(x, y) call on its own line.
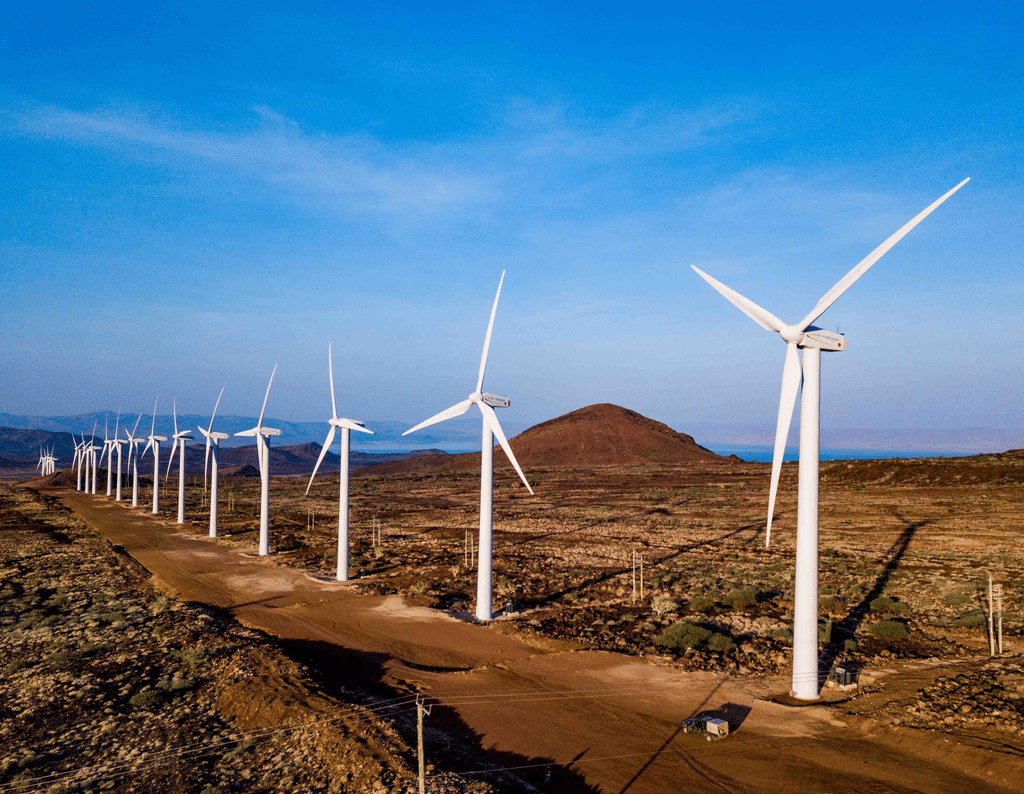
point(530, 703)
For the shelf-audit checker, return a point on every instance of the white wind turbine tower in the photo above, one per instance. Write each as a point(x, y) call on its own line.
point(486, 403)
point(133, 459)
point(154, 441)
point(179, 443)
point(106, 454)
point(346, 425)
point(116, 442)
point(263, 453)
point(811, 341)
point(212, 443)
point(77, 462)
point(92, 450)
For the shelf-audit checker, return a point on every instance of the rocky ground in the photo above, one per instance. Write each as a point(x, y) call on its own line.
point(107, 684)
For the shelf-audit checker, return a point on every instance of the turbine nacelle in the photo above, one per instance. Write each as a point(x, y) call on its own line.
point(822, 339)
point(351, 424)
point(261, 431)
point(495, 401)
point(215, 435)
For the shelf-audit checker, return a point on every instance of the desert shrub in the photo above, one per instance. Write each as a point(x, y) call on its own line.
point(825, 631)
point(194, 656)
point(890, 630)
point(883, 605)
point(245, 744)
point(782, 634)
point(740, 599)
point(63, 658)
point(956, 599)
point(720, 642)
point(146, 700)
point(971, 620)
point(16, 665)
point(661, 604)
point(682, 635)
point(701, 604)
point(159, 604)
point(828, 603)
point(850, 645)
point(571, 597)
point(828, 552)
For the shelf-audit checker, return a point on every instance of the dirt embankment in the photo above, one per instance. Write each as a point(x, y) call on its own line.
point(109, 685)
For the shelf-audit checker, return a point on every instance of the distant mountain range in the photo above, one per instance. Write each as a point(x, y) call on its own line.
point(458, 435)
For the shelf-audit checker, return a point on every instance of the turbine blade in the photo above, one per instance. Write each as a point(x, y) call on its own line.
point(117, 423)
point(353, 426)
point(148, 445)
point(206, 460)
point(323, 454)
point(847, 281)
point(137, 420)
point(330, 372)
point(266, 397)
point(170, 458)
point(264, 456)
point(216, 405)
point(174, 408)
point(456, 410)
point(761, 316)
point(152, 430)
point(791, 373)
point(492, 421)
point(487, 339)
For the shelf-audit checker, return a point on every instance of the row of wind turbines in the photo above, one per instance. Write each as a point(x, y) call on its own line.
point(803, 341)
point(85, 457)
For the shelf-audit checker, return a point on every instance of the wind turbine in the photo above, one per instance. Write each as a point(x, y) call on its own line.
point(263, 453)
point(92, 450)
point(212, 442)
point(106, 454)
point(486, 403)
point(78, 461)
point(154, 441)
point(346, 425)
point(116, 442)
point(179, 443)
point(133, 459)
point(811, 341)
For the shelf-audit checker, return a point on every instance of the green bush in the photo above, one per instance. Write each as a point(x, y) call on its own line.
point(782, 634)
point(825, 631)
point(956, 599)
point(883, 605)
point(720, 642)
point(850, 645)
point(828, 603)
point(146, 700)
point(890, 630)
point(971, 620)
point(682, 635)
point(701, 604)
point(740, 599)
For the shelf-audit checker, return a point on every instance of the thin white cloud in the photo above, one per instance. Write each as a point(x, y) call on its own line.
point(352, 173)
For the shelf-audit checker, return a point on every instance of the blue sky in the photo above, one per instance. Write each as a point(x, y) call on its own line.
point(191, 195)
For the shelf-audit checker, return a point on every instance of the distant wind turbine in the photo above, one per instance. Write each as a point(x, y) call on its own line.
point(811, 341)
point(133, 460)
point(154, 442)
point(491, 428)
point(92, 450)
point(116, 442)
point(77, 462)
point(179, 443)
point(212, 444)
point(346, 425)
point(106, 454)
point(263, 453)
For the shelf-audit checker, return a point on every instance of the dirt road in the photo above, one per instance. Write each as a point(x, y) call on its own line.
point(600, 722)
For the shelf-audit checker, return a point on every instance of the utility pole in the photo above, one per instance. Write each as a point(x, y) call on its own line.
point(997, 591)
point(421, 709)
point(991, 628)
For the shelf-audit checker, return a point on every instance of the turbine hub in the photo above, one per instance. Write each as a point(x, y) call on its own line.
point(791, 333)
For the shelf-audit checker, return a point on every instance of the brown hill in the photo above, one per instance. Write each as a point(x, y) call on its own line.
point(598, 435)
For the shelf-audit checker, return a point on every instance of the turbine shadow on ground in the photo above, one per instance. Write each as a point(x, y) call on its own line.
point(847, 627)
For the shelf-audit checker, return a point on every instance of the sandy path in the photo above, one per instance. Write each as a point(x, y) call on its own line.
point(609, 721)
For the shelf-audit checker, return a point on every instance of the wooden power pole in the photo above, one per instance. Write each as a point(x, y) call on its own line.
point(421, 709)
